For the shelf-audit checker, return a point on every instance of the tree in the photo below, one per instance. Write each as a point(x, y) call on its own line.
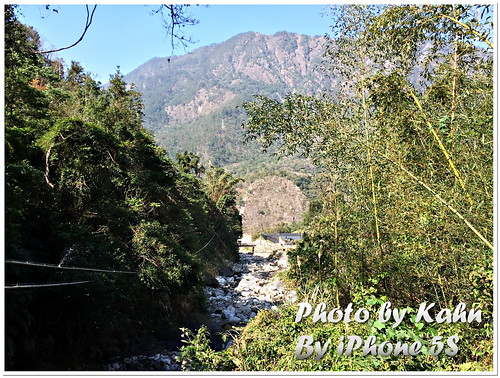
point(174, 17)
point(99, 220)
point(399, 187)
point(190, 163)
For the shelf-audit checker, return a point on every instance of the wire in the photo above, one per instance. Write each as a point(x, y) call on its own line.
point(26, 286)
point(66, 267)
point(206, 245)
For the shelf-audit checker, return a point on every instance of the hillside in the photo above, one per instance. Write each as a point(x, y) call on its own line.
point(192, 101)
point(271, 201)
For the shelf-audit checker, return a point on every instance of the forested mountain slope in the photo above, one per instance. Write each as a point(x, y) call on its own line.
point(192, 102)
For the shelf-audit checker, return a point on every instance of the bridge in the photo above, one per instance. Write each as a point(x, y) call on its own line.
point(246, 244)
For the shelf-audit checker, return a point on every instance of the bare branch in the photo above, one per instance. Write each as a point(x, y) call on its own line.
point(88, 22)
point(174, 18)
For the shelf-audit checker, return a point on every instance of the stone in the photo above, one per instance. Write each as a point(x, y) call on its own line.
point(234, 320)
point(211, 281)
point(229, 312)
point(226, 272)
point(237, 268)
point(245, 309)
point(220, 280)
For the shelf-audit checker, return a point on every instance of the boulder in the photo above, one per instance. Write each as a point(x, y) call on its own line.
point(220, 280)
point(210, 281)
point(226, 272)
point(234, 320)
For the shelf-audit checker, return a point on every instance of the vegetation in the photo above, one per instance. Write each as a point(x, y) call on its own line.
point(403, 210)
point(192, 102)
point(405, 194)
point(87, 187)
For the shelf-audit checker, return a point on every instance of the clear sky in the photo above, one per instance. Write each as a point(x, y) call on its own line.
point(129, 35)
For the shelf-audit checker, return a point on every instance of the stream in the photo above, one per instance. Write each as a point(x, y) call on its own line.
point(234, 297)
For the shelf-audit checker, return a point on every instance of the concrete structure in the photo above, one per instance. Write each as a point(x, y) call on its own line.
point(283, 238)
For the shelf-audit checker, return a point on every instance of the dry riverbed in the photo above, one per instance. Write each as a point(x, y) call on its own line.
point(234, 297)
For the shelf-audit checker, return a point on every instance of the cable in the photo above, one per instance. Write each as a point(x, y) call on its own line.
point(26, 286)
point(206, 245)
point(66, 267)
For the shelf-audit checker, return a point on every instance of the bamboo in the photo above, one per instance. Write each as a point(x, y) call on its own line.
point(453, 210)
point(454, 84)
point(441, 145)
point(372, 179)
point(336, 236)
point(482, 38)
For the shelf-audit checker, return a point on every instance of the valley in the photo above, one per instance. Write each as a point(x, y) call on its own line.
point(191, 214)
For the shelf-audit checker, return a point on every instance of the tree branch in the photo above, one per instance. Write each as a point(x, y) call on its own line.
point(88, 22)
point(175, 19)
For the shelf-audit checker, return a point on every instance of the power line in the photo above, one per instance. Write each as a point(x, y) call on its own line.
point(206, 245)
point(27, 286)
point(45, 265)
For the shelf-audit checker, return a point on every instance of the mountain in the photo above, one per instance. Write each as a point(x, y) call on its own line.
point(192, 102)
point(271, 201)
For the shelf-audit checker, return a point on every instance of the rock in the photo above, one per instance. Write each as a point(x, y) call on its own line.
point(226, 272)
point(218, 292)
point(234, 320)
point(239, 268)
point(220, 280)
point(210, 281)
point(245, 309)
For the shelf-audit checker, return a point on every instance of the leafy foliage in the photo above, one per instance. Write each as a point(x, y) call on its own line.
point(87, 186)
point(405, 189)
point(197, 354)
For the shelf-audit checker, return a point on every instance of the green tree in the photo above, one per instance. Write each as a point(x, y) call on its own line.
point(88, 187)
point(399, 188)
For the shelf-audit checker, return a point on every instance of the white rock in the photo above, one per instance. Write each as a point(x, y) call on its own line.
point(220, 280)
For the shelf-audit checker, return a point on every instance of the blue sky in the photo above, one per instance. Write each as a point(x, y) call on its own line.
point(128, 35)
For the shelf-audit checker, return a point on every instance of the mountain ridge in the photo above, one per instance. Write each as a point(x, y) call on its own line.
point(192, 101)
